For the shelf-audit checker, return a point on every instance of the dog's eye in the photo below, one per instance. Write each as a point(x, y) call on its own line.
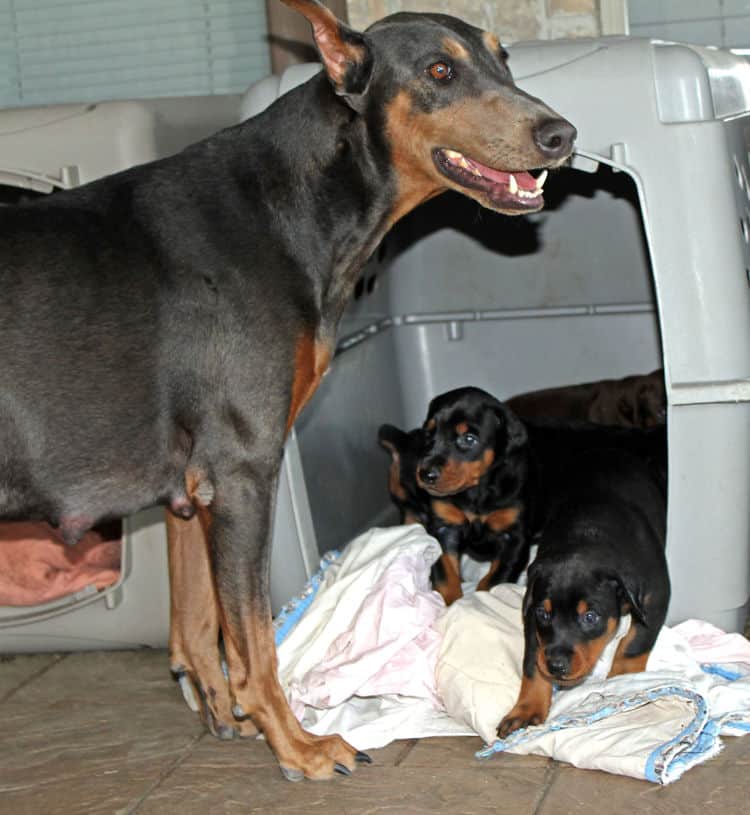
point(466, 441)
point(542, 615)
point(441, 71)
point(590, 618)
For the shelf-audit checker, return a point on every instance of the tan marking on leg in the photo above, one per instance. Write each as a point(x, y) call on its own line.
point(485, 583)
point(531, 708)
point(311, 360)
point(253, 668)
point(450, 589)
point(628, 665)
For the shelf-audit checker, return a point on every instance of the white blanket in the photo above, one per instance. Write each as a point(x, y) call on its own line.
point(369, 651)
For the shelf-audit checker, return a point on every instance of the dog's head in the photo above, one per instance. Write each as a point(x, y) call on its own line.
point(440, 94)
point(574, 605)
point(467, 434)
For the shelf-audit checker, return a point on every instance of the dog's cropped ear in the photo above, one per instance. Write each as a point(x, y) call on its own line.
point(346, 53)
point(629, 596)
point(393, 439)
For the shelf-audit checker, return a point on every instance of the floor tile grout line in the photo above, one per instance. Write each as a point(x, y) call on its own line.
point(404, 752)
point(56, 660)
point(186, 751)
point(550, 774)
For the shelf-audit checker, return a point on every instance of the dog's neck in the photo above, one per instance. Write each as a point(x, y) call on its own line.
point(333, 166)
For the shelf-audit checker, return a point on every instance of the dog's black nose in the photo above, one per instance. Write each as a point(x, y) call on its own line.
point(555, 137)
point(557, 665)
point(429, 475)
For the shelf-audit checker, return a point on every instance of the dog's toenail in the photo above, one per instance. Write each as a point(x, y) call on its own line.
point(362, 758)
point(340, 768)
point(291, 774)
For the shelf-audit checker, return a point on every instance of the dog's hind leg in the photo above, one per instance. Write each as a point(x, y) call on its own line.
point(194, 625)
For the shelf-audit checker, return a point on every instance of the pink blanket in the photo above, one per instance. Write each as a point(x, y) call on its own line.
point(36, 566)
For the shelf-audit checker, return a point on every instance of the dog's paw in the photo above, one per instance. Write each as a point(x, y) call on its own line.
point(520, 717)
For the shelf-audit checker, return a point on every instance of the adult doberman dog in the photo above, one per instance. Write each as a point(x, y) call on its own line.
point(163, 327)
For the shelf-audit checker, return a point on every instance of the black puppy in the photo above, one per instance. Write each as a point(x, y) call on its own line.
point(461, 475)
point(601, 556)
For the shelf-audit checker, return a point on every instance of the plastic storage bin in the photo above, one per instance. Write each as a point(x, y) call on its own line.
point(641, 259)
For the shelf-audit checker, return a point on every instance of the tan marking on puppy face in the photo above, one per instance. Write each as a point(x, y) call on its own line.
point(456, 476)
point(547, 605)
point(582, 607)
point(449, 513)
point(431, 425)
point(462, 428)
point(455, 49)
point(586, 654)
point(501, 519)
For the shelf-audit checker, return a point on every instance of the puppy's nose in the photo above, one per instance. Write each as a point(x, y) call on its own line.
point(557, 664)
point(429, 475)
point(555, 137)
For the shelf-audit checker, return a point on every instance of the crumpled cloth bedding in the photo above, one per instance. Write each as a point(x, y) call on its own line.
point(36, 567)
point(369, 651)
point(654, 725)
point(361, 660)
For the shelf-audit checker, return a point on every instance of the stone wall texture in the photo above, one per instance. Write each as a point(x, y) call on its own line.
point(511, 20)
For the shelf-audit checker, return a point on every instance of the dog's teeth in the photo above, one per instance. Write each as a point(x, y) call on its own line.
point(453, 154)
point(513, 185)
point(542, 178)
point(462, 162)
point(475, 171)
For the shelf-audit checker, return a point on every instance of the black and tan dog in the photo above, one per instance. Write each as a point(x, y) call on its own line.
point(601, 556)
point(162, 328)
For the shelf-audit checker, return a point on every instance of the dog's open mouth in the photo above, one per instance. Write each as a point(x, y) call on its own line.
point(508, 191)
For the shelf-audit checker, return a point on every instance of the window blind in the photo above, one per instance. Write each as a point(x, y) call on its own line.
point(92, 50)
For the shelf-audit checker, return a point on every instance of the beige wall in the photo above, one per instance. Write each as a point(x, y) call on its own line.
point(511, 20)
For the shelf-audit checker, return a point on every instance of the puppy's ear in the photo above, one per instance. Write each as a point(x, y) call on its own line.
point(629, 597)
point(346, 53)
point(392, 439)
point(514, 428)
point(528, 597)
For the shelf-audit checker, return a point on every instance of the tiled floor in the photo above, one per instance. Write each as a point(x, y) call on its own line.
point(108, 732)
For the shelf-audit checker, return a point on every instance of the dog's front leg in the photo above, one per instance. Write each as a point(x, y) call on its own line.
point(240, 534)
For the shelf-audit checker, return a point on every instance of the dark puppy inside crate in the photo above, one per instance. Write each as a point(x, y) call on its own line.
point(485, 483)
point(600, 557)
point(633, 401)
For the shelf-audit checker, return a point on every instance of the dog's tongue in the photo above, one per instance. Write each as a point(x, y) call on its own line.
point(525, 180)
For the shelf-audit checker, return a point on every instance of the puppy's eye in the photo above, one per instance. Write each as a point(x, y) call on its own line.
point(542, 615)
point(590, 618)
point(441, 70)
point(466, 441)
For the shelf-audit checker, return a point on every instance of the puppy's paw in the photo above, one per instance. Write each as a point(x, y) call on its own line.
point(521, 716)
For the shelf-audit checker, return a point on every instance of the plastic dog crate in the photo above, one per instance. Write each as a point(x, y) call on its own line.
point(639, 260)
